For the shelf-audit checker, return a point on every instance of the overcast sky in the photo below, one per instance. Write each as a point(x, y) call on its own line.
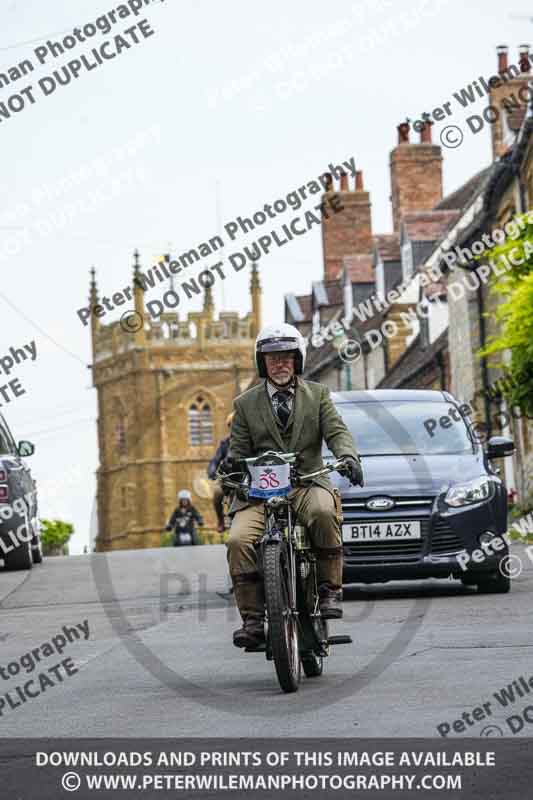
point(234, 101)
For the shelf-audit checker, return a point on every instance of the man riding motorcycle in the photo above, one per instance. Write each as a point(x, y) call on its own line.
point(183, 521)
point(287, 413)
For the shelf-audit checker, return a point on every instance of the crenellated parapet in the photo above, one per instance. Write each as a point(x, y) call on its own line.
point(197, 331)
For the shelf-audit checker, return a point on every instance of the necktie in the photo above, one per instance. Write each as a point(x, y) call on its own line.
point(283, 411)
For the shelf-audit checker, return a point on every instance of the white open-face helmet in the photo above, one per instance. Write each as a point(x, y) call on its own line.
point(278, 338)
point(184, 495)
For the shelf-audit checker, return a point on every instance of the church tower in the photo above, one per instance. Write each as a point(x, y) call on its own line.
point(165, 388)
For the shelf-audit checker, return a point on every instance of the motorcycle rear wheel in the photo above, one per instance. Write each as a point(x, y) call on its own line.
point(282, 625)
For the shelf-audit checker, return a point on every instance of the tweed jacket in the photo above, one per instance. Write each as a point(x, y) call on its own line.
point(314, 419)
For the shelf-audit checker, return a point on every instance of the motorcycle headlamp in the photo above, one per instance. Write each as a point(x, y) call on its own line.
point(463, 494)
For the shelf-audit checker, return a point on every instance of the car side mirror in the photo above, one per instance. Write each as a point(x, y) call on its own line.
point(499, 447)
point(25, 449)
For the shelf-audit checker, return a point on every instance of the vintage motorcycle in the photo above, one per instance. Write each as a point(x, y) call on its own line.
point(183, 532)
point(297, 635)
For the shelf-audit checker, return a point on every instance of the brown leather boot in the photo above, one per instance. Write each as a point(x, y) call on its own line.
point(329, 569)
point(251, 635)
point(330, 601)
point(250, 599)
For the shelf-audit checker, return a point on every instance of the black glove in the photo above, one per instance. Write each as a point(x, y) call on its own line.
point(229, 465)
point(354, 471)
point(168, 527)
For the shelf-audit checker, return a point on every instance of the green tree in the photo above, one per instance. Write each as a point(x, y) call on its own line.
point(515, 314)
point(54, 535)
point(167, 539)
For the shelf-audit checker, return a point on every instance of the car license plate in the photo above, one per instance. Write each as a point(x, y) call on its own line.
point(381, 531)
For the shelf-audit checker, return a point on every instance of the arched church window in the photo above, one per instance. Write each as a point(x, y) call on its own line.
point(200, 422)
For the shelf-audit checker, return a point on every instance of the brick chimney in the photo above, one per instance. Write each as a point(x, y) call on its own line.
point(502, 51)
point(346, 232)
point(415, 172)
point(509, 95)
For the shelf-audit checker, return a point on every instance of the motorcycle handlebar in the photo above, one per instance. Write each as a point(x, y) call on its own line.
point(336, 466)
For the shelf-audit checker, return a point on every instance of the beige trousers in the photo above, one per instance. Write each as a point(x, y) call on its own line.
point(315, 508)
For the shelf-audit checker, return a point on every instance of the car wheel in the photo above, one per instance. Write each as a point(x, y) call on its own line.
point(20, 558)
point(36, 544)
point(494, 583)
point(37, 553)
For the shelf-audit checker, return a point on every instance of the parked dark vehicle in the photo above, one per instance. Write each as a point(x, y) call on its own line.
point(431, 501)
point(20, 543)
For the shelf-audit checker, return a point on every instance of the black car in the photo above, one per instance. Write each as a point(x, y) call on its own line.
point(432, 505)
point(20, 544)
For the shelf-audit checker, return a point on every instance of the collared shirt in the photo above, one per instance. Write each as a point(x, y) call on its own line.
point(271, 389)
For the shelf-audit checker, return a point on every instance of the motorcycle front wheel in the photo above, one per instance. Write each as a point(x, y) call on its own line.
point(282, 623)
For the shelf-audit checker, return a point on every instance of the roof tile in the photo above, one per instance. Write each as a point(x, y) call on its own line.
point(428, 226)
point(462, 196)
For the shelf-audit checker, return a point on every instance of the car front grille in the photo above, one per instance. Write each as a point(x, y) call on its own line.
point(409, 550)
point(444, 540)
point(437, 540)
point(404, 503)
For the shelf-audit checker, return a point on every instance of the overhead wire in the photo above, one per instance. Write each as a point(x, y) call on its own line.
point(71, 424)
point(32, 41)
point(41, 330)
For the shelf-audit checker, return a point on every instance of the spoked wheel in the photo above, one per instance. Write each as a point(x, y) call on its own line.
point(313, 629)
point(282, 624)
point(314, 634)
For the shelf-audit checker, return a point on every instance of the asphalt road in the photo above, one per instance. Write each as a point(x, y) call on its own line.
point(159, 659)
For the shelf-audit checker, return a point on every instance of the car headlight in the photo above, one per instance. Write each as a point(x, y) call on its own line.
point(464, 494)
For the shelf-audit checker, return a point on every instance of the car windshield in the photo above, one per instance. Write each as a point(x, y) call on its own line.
point(405, 428)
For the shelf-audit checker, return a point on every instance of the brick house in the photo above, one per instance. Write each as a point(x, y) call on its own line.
point(414, 328)
point(507, 191)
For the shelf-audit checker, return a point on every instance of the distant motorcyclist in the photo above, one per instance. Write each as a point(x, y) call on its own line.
point(216, 462)
point(184, 520)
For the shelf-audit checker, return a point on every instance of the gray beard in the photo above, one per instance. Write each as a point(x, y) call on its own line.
point(290, 382)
